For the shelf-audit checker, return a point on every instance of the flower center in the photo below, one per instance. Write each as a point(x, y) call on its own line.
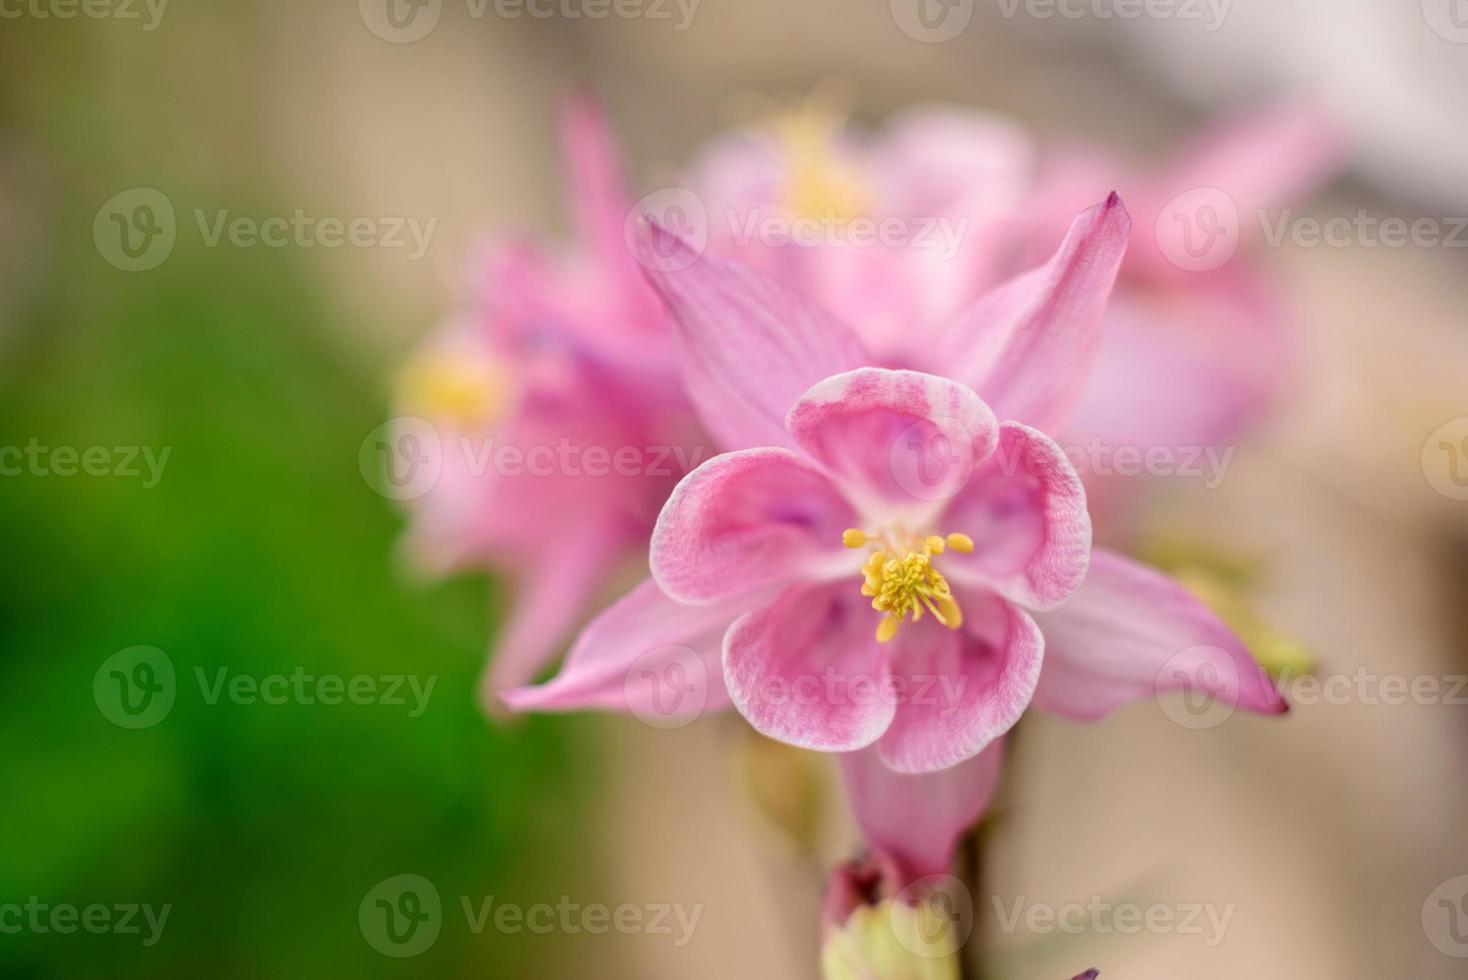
point(820, 184)
point(901, 579)
point(466, 390)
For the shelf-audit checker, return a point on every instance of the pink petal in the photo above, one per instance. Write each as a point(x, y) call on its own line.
point(894, 437)
point(1131, 632)
point(749, 345)
point(747, 521)
point(1026, 512)
point(552, 595)
point(806, 669)
point(918, 818)
point(960, 690)
point(1027, 346)
point(625, 658)
point(938, 161)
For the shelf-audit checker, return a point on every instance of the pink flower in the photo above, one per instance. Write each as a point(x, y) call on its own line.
point(936, 180)
point(884, 530)
point(559, 417)
point(1198, 345)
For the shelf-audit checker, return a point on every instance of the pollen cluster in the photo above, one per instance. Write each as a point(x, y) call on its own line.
point(901, 580)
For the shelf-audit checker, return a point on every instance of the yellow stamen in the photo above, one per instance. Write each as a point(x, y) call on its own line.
point(467, 389)
point(961, 543)
point(901, 581)
point(820, 183)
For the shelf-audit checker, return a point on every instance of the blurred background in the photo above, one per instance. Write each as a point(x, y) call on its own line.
point(257, 548)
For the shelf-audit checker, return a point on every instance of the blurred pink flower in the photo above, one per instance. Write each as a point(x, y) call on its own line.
point(560, 418)
point(748, 560)
point(929, 191)
point(1197, 345)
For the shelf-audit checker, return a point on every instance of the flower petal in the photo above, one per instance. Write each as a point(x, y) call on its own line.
point(1131, 632)
point(807, 669)
point(894, 437)
point(1027, 346)
point(643, 635)
point(749, 345)
point(747, 521)
point(552, 596)
point(918, 818)
point(1026, 512)
point(960, 690)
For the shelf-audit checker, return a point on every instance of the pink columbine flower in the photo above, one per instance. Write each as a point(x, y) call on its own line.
point(559, 418)
point(823, 550)
point(1198, 343)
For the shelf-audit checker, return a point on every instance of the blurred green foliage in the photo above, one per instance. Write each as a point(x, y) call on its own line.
point(263, 550)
